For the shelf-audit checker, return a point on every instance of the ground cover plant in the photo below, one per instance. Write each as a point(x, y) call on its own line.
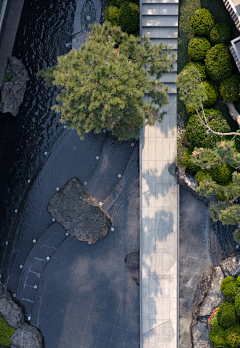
point(6, 333)
point(224, 321)
point(102, 84)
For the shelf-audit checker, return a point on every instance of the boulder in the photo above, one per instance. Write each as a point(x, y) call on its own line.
point(12, 92)
point(200, 334)
point(79, 213)
point(201, 291)
point(10, 311)
point(26, 337)
point(231, 266)
point(214, 295)
point(132, 262)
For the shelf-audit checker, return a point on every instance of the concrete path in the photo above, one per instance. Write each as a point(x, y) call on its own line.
point(159, 238)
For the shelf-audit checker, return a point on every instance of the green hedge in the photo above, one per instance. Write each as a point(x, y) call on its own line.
point(237, 304)
point(233, 336)
point(202, 22)
point(211, 92)
point(229, 89)
point(201, 68)
point(222, 174)
point(230, 288)
point(6, 332)
point(111, 14)
point(202, 174)
point(220, 33)
point(218, 63)
point(196, 131)
point(129, 17)
point(198, 47)
point(226, 315)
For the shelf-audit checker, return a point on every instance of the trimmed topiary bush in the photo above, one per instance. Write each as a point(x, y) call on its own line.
point(198, 47)
point(202, 22)
point(6, 332)
point(201, 175)
point(237, 304)
point(211, 92)
point(222, 174)
point(129, 17)
point(196, 131)
point(187, 161)
point(229, 89)
point(218, 63)
point(226, 315)
point(229, 288)
point(111, 14)
point(201, 68)
point(217, 337)
point(233, 336)
point(220, 33)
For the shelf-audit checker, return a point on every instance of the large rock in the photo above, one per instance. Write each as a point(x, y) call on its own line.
point(26, 337)
point(200, 334)
point(231, 266)
point(201, 291)
point(214, 296)
point(10, 311)
point(79, 213)
point(12, 92)
point(132, 262)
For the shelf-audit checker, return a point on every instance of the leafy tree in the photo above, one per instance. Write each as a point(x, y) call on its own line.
point(103, 83)
point(227, 211)
point(192, 93)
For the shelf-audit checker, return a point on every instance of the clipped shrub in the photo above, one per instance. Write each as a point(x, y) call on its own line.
point(5, 332)
point(237, 303)
point(211, 92)
point(229, 288)
point(129, 17)
point(187, 161)
point(229, 89)
point(221, 196)
point(217, 337)
point(202, 22)
point(220, 33)
point(111, 14)
point(218, 63)
point(201, 175)
point(196, 131)
point(233, 336)
point(226, 315)
point(222, 174)
point(198, 47)
point(191, 111)
point(201, 68)
point(238, 281)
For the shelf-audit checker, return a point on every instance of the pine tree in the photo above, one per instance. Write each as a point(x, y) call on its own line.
point(226, 210)
point(102, 84)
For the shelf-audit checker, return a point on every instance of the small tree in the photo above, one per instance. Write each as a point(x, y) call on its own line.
point(227, 211)
point(193, 94)
point(102, 84)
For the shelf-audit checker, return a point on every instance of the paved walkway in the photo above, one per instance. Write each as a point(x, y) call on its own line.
point(159, 239)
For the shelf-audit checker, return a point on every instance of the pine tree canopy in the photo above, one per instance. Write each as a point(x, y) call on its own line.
point(102, 84)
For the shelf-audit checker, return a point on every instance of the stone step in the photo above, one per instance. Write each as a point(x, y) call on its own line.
point(166, 2)
point(159, 9)
point(111, 165)
point(170, 42)
point(158, 33)
point(159, 21)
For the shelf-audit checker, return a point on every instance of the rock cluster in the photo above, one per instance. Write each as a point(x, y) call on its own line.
point(208, 296)
point(132, 262)
point(79, 213)
point(25, 336)
point(12, 92)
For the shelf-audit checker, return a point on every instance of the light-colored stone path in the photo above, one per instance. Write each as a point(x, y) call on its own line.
point(159, 197)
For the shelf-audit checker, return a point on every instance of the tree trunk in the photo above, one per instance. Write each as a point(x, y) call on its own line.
point(233, 112)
